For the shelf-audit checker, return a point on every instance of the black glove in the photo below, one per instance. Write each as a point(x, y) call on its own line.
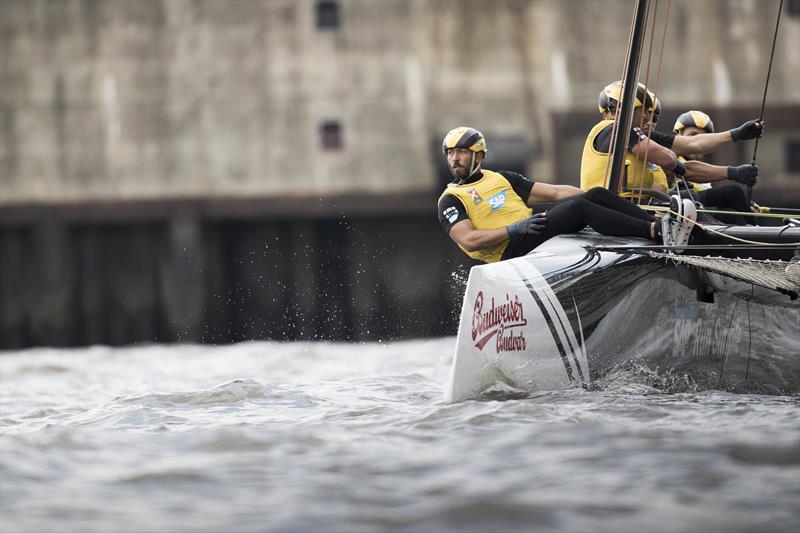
point(752, 129)
point(533, 225)
point(680, 169)
point(744, 174)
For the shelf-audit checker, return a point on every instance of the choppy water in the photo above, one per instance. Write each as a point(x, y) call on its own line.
point(343, 437)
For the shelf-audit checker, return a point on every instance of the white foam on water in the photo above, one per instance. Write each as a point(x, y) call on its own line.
point(268, 436)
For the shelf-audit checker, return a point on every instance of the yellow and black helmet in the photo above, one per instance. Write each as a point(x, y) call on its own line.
point(464, 137)
point(612, 93)
point(657, 111)
point(694, 119)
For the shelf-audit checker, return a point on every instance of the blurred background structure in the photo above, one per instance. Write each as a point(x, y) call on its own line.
point(223, 170)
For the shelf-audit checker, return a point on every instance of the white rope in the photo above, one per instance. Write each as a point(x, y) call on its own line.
point(659, 209)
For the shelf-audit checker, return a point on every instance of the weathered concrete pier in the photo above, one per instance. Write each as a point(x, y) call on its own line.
point(215, 171)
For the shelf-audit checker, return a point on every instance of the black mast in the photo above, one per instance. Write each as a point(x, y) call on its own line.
point(619, 144)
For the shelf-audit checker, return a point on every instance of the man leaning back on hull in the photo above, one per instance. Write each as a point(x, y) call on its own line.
point(489, 215)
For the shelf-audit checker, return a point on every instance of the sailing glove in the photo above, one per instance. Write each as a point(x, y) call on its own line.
point(680, 169)
point(744, 174)
point(752, 129)
point(533, 225)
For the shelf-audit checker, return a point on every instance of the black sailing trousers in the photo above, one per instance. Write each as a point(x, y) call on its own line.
point(727, 196)
point(598, 208)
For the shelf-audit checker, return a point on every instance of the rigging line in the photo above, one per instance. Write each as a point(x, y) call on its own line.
point(617, 110)
point(780, 233)
point(661, 57)
point(769, 72)
point(639, 171)
point(732, 212)
point(661, 53)
point(746, 241)
point(658, 76)
point(706, 228)
point(782, 210)
point(749, 333)
point(725, 347)
point(766, 86)
point(582, 263)
point(658, 208)
point(637, 60)
point(621, 140)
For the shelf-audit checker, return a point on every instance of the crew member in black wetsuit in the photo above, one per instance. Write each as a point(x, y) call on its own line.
point(721, 195)
point(487, 213)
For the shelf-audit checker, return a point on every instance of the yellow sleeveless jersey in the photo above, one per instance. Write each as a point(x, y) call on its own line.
point(595, 165)
point(491, 203)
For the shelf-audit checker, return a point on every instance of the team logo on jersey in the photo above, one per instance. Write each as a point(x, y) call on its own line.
point(497, 201)
point(451, 214)
point(476, 198)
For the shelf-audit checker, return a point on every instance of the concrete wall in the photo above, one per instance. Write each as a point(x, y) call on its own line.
point(163, 177)
point(174, 98)
point(226, 280)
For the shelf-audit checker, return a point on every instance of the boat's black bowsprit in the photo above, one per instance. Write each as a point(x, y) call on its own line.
point(643, 249)
point(753, 242)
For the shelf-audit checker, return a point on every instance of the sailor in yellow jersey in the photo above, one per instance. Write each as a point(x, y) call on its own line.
point(721, 195)
point(595, 162)
point(660, 149)
point(488, 213)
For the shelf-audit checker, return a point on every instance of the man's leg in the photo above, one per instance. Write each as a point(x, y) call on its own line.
point(574, 214)
point(559, 221)
point(727, 197)
point(600, 218)
point(608, 199)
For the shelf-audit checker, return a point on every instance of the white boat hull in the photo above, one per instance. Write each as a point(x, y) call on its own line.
point(563, 316)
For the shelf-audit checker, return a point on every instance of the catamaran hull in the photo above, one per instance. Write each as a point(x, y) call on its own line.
point(564, 316)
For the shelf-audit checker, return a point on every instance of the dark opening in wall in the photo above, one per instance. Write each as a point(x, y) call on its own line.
point(793, 156)
point(327, 15)
point(793, 8)
point(331, 135)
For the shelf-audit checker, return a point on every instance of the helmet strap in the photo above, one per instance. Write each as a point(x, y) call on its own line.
point(472, 168)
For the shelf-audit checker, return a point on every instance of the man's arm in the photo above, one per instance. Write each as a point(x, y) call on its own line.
point(655, 153)
point(545, 192)
point(471, 239)
point(706, 143)
point(534, 192)
point(465, 234)
point(656, 148)
point(700, 171)
point(456, 223)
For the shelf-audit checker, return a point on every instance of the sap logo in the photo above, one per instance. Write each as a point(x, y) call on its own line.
point(497, 201)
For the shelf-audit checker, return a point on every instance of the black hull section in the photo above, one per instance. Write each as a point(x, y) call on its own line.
point(624, 308)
